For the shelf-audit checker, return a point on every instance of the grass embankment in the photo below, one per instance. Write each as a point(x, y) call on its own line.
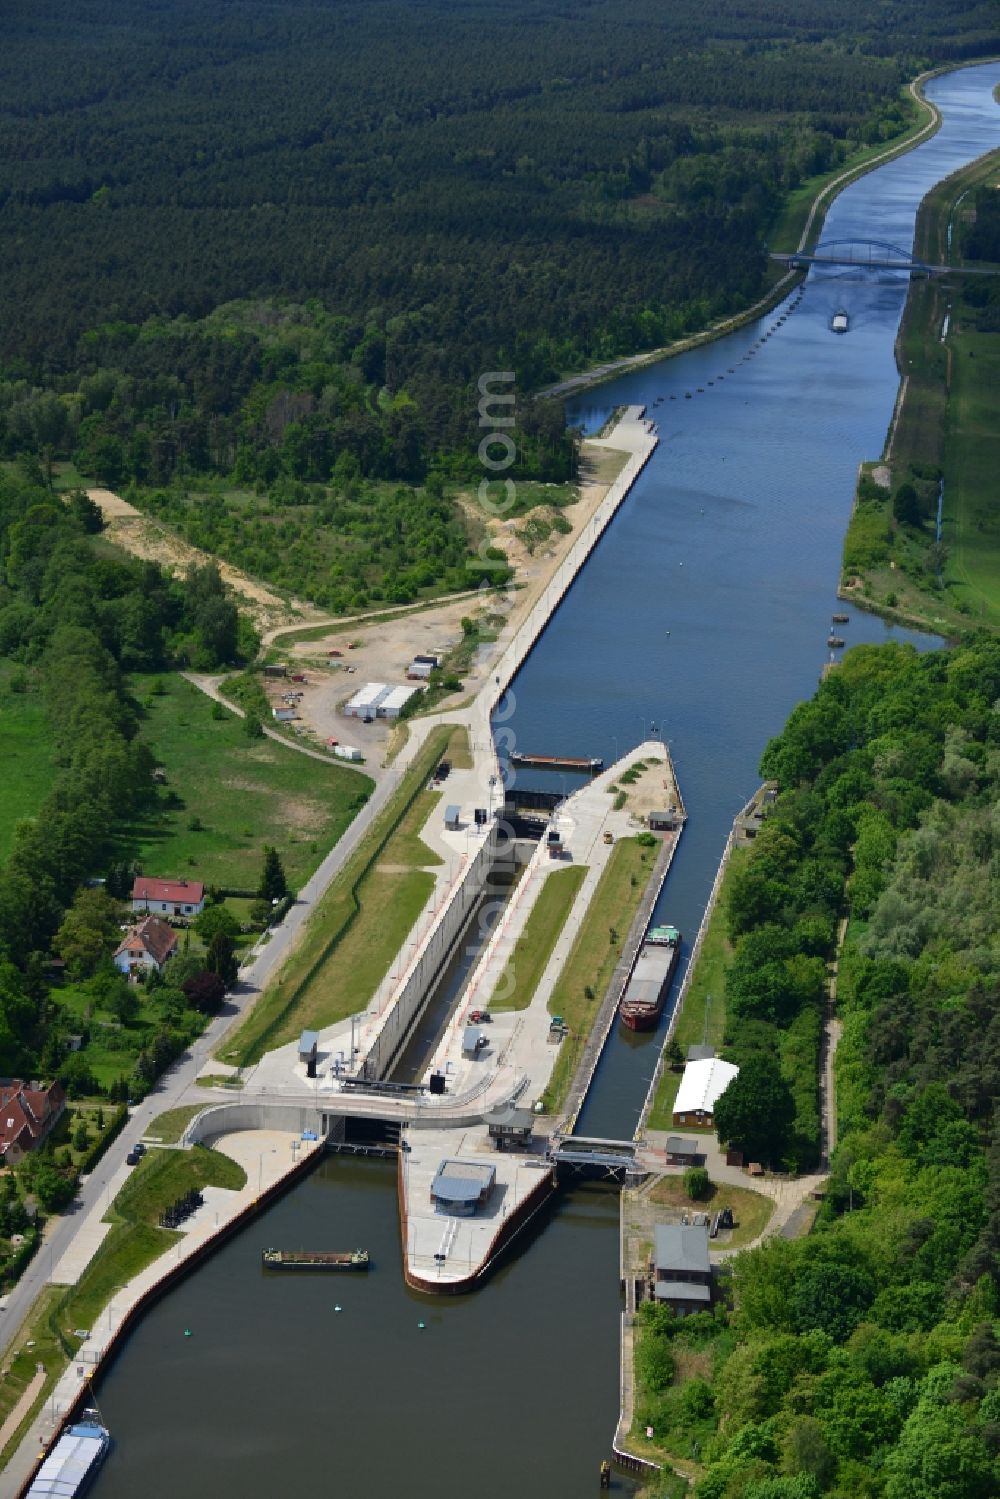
point(29, 770)
point(751, 1210)
point(36, 1343)
point(48, 1335)
point(583, 983)
point(227, 795)
point(171, 1124)
point(360, 923)
point(136, 1239)
point(533, 949)
point(947, 423)
point(702, 1019)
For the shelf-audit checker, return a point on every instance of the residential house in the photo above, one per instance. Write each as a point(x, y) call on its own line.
point(146, 946)
point(681, 1270)
point(27, 1113)
point(179, 898)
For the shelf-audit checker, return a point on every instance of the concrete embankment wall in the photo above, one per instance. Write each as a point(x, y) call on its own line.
point(435, 949)
point(173, 1271)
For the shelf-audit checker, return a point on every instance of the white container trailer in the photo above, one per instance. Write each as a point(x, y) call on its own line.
point(347, 752)
point(365, 701)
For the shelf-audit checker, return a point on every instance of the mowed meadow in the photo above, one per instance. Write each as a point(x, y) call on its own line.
point(226, 795)
point(25, 751)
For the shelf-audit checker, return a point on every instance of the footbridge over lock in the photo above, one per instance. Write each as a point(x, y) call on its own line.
point(576, 1156)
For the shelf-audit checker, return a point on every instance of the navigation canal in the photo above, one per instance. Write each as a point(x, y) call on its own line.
point(704, 610)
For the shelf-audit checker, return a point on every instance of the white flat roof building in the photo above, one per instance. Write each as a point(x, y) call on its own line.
point(393, 703)
point(703, 1084)
point(365, 701)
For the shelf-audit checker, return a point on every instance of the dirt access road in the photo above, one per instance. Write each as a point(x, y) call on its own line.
point(143, 536)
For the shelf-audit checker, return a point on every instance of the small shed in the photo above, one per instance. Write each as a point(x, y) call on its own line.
point(682, 1151)
point(473, 1041)
point(309, 1050)
point(460, 1187)
point(663, 822)
point(276, 671)
point(284, 715)
point(453, 817)
point(699, 1053)
point(509, 1127)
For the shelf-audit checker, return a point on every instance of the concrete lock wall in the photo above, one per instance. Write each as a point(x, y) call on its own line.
point(223, 1118)
point(436, 949)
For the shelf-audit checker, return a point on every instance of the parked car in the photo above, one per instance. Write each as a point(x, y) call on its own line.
point(132, 1159)
point(139, 1148)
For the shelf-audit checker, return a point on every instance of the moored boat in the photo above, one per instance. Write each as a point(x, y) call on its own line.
point(840, 322)
point(72, 1465)
point(558, 762)
point(314, 1259)
point(641, 1004)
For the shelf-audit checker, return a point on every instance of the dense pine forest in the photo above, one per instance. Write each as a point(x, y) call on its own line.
point(863, 1360)
point(264, 237)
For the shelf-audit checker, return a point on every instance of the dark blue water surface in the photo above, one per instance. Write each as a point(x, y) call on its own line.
point(730, 542)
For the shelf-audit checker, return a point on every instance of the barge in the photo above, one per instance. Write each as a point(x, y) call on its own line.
point(558, 762)
point(72, 1465)
point(315, 1259)
point(641, 1004)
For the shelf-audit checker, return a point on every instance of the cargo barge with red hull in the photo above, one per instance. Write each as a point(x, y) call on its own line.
point(643, 998)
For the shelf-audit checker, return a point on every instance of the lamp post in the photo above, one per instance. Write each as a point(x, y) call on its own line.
point(268, 1150)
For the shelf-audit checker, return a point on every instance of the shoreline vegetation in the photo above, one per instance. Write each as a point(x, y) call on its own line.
point(943, 433)
point(860, 1358)
point(802, 215)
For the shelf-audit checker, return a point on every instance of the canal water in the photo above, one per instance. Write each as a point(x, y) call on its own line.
point(705, 611)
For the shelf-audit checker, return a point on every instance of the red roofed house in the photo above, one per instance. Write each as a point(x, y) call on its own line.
point(146, 946)
point(168, 897)
point(27, 1113)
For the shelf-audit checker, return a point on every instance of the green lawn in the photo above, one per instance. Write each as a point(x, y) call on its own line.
point(533, 948)
point(358, 926)
point(29, 770)
point(948, 422)
point(751, 1210)
point(971, 521)
point(583, 983)
point(702, 1019)
point(244, 793)
point(136, 1240)
point(407, 845)
point(171, 1124)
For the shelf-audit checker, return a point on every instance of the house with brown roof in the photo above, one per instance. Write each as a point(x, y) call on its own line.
point(145, 946)
point(178, 898)
point(27, 1113)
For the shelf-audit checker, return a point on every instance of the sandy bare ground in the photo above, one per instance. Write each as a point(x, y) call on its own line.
point(380, 650)
point(144, 537)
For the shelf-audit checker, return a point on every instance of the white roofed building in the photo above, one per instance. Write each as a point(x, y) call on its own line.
point(703, 1084)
